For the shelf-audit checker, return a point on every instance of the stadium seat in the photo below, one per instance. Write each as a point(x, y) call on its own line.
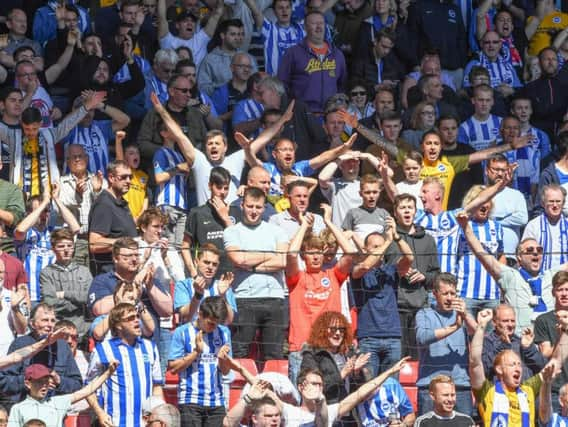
point(171, 388)
point(412, 392)
point(78, 420)
point(408, 375)
point(249, 365)
point(279, 366)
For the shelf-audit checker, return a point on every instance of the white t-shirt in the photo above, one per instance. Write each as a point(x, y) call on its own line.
point(414, 189)
point(295, 416)
point(234, 163)
point(197, 44)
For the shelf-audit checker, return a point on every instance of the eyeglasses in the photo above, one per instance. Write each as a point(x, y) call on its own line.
point(27, 74)
point(182, 89)
point(427, 113)
point(335, 329)
point(491, 41)
point(358, 93)
point(313, 383)
point(534, 249)
point(131, 318)
point(124, 177)
point(245, 66)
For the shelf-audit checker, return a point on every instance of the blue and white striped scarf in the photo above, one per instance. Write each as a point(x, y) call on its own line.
point(546, 241)
point(500, 413)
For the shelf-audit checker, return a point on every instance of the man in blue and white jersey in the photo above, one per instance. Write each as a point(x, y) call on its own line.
point(547, 416)
point(481, 130)
point(443, 225)
point(139, 377)
point(94, 135)
point(277, 36)
point(199, 353)
point(33, 237)
point(388, 403)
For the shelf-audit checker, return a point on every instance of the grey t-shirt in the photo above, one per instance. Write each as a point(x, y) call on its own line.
point(264, 237)
point(363, 221)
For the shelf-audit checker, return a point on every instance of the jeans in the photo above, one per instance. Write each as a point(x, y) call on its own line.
point(266, 314)
point(201, 416)
point(464, 402)
point(176, 225)
point(408, 340)
point(164, 348)
point(385, 352)
point(294, 364)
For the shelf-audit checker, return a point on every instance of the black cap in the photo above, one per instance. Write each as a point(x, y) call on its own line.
point(182, 16)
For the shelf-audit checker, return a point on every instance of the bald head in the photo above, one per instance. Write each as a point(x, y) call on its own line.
point(260, 178)
point(167, 414)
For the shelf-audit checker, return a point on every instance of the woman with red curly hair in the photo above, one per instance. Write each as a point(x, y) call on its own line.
point(329, 349)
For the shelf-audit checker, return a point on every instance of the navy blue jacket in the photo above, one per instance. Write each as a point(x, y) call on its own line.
point(57, 356)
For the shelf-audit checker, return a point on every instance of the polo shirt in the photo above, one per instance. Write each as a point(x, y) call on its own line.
point(51, 411)
point(111, 218)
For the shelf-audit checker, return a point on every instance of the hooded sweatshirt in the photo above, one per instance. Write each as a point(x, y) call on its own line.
point(413, 296)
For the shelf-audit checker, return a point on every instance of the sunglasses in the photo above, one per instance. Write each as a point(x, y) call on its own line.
point(182, 89)
point(534, 249)
point(334, 329)
point(358, 93)
point(124, 177)
point(131, 318)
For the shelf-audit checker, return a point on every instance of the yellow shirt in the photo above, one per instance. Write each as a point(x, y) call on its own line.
point(486, 395)
point(137, 193)
point(445, 169)
point(553, 22)
point(282, 204)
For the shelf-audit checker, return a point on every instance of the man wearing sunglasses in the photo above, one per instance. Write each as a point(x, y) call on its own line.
point(110, 217)
point(527, 288)
point(139, 376)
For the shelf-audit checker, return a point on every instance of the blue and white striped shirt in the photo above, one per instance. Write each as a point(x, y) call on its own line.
point(474, 281)
point(123, 394)
point(247, 110)
point(172, 192)
point(201, 382)
point(94, 140)
point(277, 40)
point(35, 252)
point(480, 135)
point(528, 170)
point(301, 168)
point(390, 399)
point(444, 229)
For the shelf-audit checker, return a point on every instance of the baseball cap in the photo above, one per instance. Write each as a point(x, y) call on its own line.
point(36, 371)
point(185, 15)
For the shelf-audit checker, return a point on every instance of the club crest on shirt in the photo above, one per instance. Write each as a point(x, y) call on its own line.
point(325, 282)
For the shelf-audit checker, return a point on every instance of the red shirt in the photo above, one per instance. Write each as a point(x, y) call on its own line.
point(310, 295)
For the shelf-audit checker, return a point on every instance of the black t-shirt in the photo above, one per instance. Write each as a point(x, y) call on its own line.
point(545, 330)
point(203, 225)
point(111, 218)
point(430, 419)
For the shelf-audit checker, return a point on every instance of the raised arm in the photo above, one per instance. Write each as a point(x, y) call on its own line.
point(163, 28)
point(95, 384)
point(331, 154)
point(518, 142)
point(480, 18)
point(371, 135)
point(32, 218)
point(214, 18)
point(256, 13)
point(372, 259)
point(476, 371)
point(489, 262)
point(368, 389)
point(346, 261)
point(53, 72)
point(488, 193)
point(66, 214)
point(23, 353)
point(118, 147)
point(186, 147)
point(306, 223)
point(545, 399)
